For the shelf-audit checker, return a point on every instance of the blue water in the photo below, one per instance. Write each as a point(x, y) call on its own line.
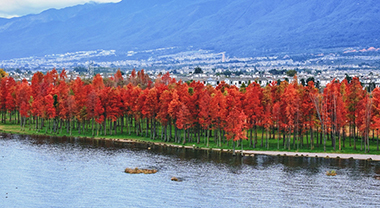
point(54, 172)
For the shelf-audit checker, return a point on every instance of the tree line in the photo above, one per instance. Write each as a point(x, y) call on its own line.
point(165, 109)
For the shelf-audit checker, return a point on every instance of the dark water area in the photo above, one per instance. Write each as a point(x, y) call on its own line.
point(72, 172)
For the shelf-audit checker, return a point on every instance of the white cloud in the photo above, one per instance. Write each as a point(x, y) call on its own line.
point(12, 8)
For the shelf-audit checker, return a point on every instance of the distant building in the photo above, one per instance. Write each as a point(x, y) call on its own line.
point(211, 81)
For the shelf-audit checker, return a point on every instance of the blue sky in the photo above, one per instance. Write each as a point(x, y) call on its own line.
point(16, 8)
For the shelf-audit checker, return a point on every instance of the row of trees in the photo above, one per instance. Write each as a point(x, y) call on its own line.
point(292, 114)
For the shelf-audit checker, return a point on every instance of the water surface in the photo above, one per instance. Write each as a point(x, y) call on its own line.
point(64, 172)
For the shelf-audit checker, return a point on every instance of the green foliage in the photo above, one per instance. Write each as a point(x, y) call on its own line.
point(242, 87)
point(348, 78)
point(80, 69)
point(238, 73)
point(291, 73)
point(310, 79)
point(55, 97)
point(3, 73)
point(371, 86)
point(191, 90)
point(227, 73)
point(277, 72)
point(198, 70)
point(189, 81)
point(303, 82)
point(318, 84)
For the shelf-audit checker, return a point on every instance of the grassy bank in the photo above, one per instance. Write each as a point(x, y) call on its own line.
point(272, 143)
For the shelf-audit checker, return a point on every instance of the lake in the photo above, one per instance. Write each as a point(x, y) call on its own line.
point(72, 172)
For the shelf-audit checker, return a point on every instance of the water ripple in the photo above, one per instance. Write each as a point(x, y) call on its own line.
point(51, 172)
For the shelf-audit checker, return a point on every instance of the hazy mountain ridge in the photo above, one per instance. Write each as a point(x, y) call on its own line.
point(239, 27)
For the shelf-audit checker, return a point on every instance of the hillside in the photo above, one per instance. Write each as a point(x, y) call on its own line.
point(239, 27)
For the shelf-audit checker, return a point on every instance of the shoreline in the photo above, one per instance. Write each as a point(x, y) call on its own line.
point(238, 153)
point(271, 153)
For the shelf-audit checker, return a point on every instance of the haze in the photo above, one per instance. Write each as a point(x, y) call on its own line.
point(16, 8)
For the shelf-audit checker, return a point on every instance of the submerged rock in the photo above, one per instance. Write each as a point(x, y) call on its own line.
point(138, 171)
point(174, 179)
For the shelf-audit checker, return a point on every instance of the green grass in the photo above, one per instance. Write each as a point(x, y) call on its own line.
point(15, 128)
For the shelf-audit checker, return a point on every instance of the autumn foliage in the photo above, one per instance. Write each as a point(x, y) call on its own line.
point(291, 114)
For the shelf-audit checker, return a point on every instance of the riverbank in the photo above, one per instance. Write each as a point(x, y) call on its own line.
point(251, 153)
point(54, 172)
point(14, 129)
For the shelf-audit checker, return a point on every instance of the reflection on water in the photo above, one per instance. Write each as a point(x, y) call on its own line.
point(72, 172)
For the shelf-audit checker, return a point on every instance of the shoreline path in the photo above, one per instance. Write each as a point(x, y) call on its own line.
point(272, 153)
point(279, 153)
point(324, 155)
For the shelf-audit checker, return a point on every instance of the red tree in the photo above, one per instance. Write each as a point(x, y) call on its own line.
point(253, 108)
point(23, 102)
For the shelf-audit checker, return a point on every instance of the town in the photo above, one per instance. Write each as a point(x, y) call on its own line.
point(213, 68)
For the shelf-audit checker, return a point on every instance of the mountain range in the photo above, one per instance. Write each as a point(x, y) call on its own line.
point(237, 27)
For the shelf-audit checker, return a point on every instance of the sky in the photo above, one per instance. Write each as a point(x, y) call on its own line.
point(16, 8)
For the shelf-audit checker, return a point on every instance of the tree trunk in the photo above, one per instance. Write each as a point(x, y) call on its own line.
point(115, 127)
point(324, 138)
point(220, 137)
point(128, 125)
point(25, 120)
point(152, 124)
point(267, 139)
point(104, 127)
point(311, 138)
point(70, 127)
point(377, 134)
point(255, 142)
point(147, 127)
point(340, 142)
point(278, 135)
point(317, 139)
point(262, 137)
point(36, 124)
point(208, 138)
point(250, 138)
point(288, 141)
point(176, 139)
point(199, 136)
point(184, 136)
point(189, 135)
point(162, 132)
point(84, 125)
point(67, 126)
point(97, 129)
point(170, 132)
point(354, 139)
point(344, 136)
point(294, 138)
point(122, 124)
point(233, 144)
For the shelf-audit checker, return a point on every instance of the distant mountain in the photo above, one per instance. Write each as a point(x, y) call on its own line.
point(239, 27)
